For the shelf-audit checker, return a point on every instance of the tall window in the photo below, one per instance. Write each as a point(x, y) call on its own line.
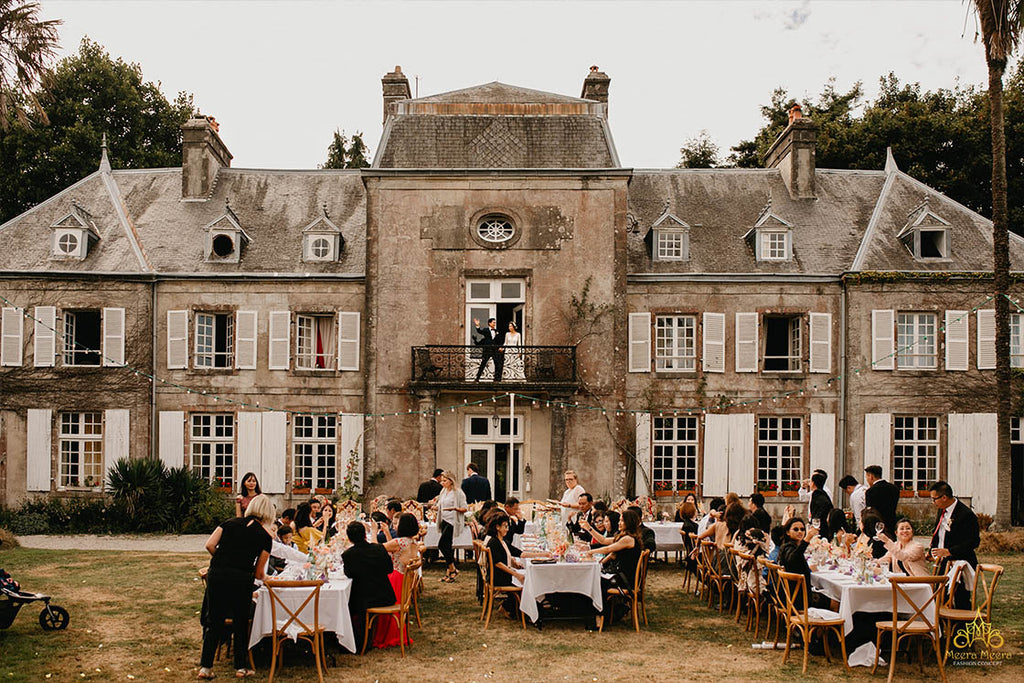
point(675, 454)
point(215, 340)
point(1016, 340)
point(780, 446)
point(82, 338)
point(782, 343)
point(915, 455)
point(81, 450)
point(675, 342)
point(915, 341)
point(315, 342)
point(315, 445)
point(213, 447)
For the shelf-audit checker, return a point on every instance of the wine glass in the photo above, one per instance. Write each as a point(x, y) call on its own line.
point(816, 523)
point(879, 528)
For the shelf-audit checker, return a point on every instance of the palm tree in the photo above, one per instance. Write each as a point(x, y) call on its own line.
point(1001, 24)
point(27, 45)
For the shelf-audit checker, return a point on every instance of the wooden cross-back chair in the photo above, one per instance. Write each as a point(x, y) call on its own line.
point(312, 632)
point(798, 618)
point(714, 577)
point(491, 591)
point(689, 570)
point(752, 592)
point(398, 611)
point(986, 577)
point(923, 623)
point(631, 596)
point(775, 605)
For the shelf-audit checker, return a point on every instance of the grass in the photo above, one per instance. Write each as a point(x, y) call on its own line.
point(136, 615)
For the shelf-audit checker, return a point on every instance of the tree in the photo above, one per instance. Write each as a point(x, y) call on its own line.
point(344, 154)
point(27, 46)
point(90, 94)
point(1001, 23)
point(699, 152)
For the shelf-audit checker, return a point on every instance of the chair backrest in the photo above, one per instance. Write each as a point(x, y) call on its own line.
point(292, 616)
point(752, 569)
point(648, 508)
point(482, 556)
point(772, 586)
point(794, 594)
point(409, 581)
point(414, 508)
point(202, 574)
point(707, 555)
point(640, 578)
point(986, 577)
point(619, 505)
point(347, 510)
point(921, 611)
point(379, 504)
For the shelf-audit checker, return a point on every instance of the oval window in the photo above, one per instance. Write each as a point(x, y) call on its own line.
point(67, 243)
point(495, 229)
point(320, 247)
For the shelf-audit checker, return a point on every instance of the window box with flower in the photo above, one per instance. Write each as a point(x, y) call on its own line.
point(662, 488)
point(769, 489)
point(300, 486)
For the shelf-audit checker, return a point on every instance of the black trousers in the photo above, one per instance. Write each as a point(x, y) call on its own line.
point(228, 595)
point(444, 544)
point(491, 353)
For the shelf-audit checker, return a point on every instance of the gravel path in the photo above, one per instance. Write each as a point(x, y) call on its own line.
point(192, 543)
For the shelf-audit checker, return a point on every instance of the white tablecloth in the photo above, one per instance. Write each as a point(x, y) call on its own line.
point(334, 614)
point(876, 597)
point(667, 535)
point(463, 540)
point(564, 577)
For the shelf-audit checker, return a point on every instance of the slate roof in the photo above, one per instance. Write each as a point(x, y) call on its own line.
point(722, 205)
point(497, 126)
point(272, 207)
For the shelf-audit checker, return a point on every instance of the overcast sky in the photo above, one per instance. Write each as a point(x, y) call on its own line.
point(281, 76)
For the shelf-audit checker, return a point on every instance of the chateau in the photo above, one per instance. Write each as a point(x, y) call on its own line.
point(710, 330)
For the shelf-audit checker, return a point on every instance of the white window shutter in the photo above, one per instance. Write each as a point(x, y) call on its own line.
point(986, 339)
point(177, 340)
point(348, 340)
point(740, 467)
point(352, 441)
point(275, 452)
point(113, 337)
point(883, 356)
point(713, 343)
point(643, 453)
point(821, 342)
point(280, 329)
point(250, 445)
point(746, 342)
point(39, 433)
point(957, 339)
point(985, 442)
point(716, 454)
point(823, 447)
point(172, 438)
point(45, 335)
point(245, 339)
point(878, 441)
point(116, 436)
point(639, 342)
point(11, 339)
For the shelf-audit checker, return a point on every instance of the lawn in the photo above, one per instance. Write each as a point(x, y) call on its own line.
point(135, 617)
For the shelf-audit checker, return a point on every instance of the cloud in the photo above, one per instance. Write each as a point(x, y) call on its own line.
point(795, 19)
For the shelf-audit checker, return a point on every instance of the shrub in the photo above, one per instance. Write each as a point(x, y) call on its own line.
point(30, 523)
point(139, 489)
point(7, 540)
point(1001, 542)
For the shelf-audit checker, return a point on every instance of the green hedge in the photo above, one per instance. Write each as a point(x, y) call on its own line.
point(142, 496)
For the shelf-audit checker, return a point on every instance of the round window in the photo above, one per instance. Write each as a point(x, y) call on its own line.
point(495, 229)
point(223, 245)
point(320, 247)
point(67, 243)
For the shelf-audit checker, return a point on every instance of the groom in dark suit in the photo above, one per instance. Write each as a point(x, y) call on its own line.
point(956, 536)
point(491, 340)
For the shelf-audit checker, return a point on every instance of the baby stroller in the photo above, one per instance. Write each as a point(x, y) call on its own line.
point(52, 618)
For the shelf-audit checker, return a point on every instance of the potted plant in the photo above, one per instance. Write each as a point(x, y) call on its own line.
point(223, 484)
point(790, 488)
point(662, 488)
point(300, 486)
point(769, 489)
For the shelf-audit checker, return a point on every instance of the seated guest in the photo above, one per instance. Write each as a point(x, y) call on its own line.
point(622, 554)
point(646, 534)
point(750, 540)
point(391, 513)
point(585, 512)
point(905, 554)
point(404, 549)
point(715, 510)
point(306, 535)
point(279, 554)
point(731, 497)
point(478, 522)
point(685, 513)
point(369, 566)
point(331, 528)
point(287, 518)
point(835, 525)
point(723, 531)
point(793, 560)
point(764, 520)
point(611, 522)
point(516, 523)
point(506, 566)
point(315, 519)
point(868, 537)
point(692, 498)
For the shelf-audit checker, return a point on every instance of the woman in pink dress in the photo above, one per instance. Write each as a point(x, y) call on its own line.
point(404, 549)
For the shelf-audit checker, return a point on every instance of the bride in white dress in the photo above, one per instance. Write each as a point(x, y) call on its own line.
point(513, 369)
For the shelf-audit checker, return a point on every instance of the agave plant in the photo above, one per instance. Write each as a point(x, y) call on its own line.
point(137, 487)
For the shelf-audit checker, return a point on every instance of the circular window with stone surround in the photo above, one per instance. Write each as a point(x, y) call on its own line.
point(495, 229)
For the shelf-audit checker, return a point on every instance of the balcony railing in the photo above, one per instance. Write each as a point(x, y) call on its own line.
point(528, 365)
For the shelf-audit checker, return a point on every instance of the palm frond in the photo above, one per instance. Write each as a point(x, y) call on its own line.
point(1001, 22)
point(28, 46)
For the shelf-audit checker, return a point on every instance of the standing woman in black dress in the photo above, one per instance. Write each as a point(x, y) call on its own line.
point(240, 548)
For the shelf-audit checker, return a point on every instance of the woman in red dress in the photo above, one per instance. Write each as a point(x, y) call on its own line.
point(404, 549)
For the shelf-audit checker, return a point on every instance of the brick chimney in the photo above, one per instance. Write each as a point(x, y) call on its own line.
point(396, 88)
point(595, 87)
point(793, 154)
point(202, 154)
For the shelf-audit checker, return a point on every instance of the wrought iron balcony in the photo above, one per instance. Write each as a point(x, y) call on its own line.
point(458, 366)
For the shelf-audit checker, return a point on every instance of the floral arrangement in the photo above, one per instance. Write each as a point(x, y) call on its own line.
point(553, 534)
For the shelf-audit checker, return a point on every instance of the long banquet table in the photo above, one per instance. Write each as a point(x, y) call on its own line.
point(334, 615)
point(465, 540)
point(562, 577)
point(853, 597)
point(666, 535)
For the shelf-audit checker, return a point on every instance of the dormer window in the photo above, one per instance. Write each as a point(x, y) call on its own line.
point(225, 238)
point(73, 234)
point(670, 239)
point(774, 245)
point(321, 240)
point(926, 234)
point(772, 237)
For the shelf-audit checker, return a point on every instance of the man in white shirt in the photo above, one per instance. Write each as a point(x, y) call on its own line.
point(711, 517)
point(855, 491)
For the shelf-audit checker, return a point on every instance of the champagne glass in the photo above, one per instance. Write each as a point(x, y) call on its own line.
point(879, 528)
point(816, 523)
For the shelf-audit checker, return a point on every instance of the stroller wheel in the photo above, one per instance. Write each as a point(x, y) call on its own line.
point(54, 618)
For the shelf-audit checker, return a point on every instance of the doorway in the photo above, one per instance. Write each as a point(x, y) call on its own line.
point(487, 447)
